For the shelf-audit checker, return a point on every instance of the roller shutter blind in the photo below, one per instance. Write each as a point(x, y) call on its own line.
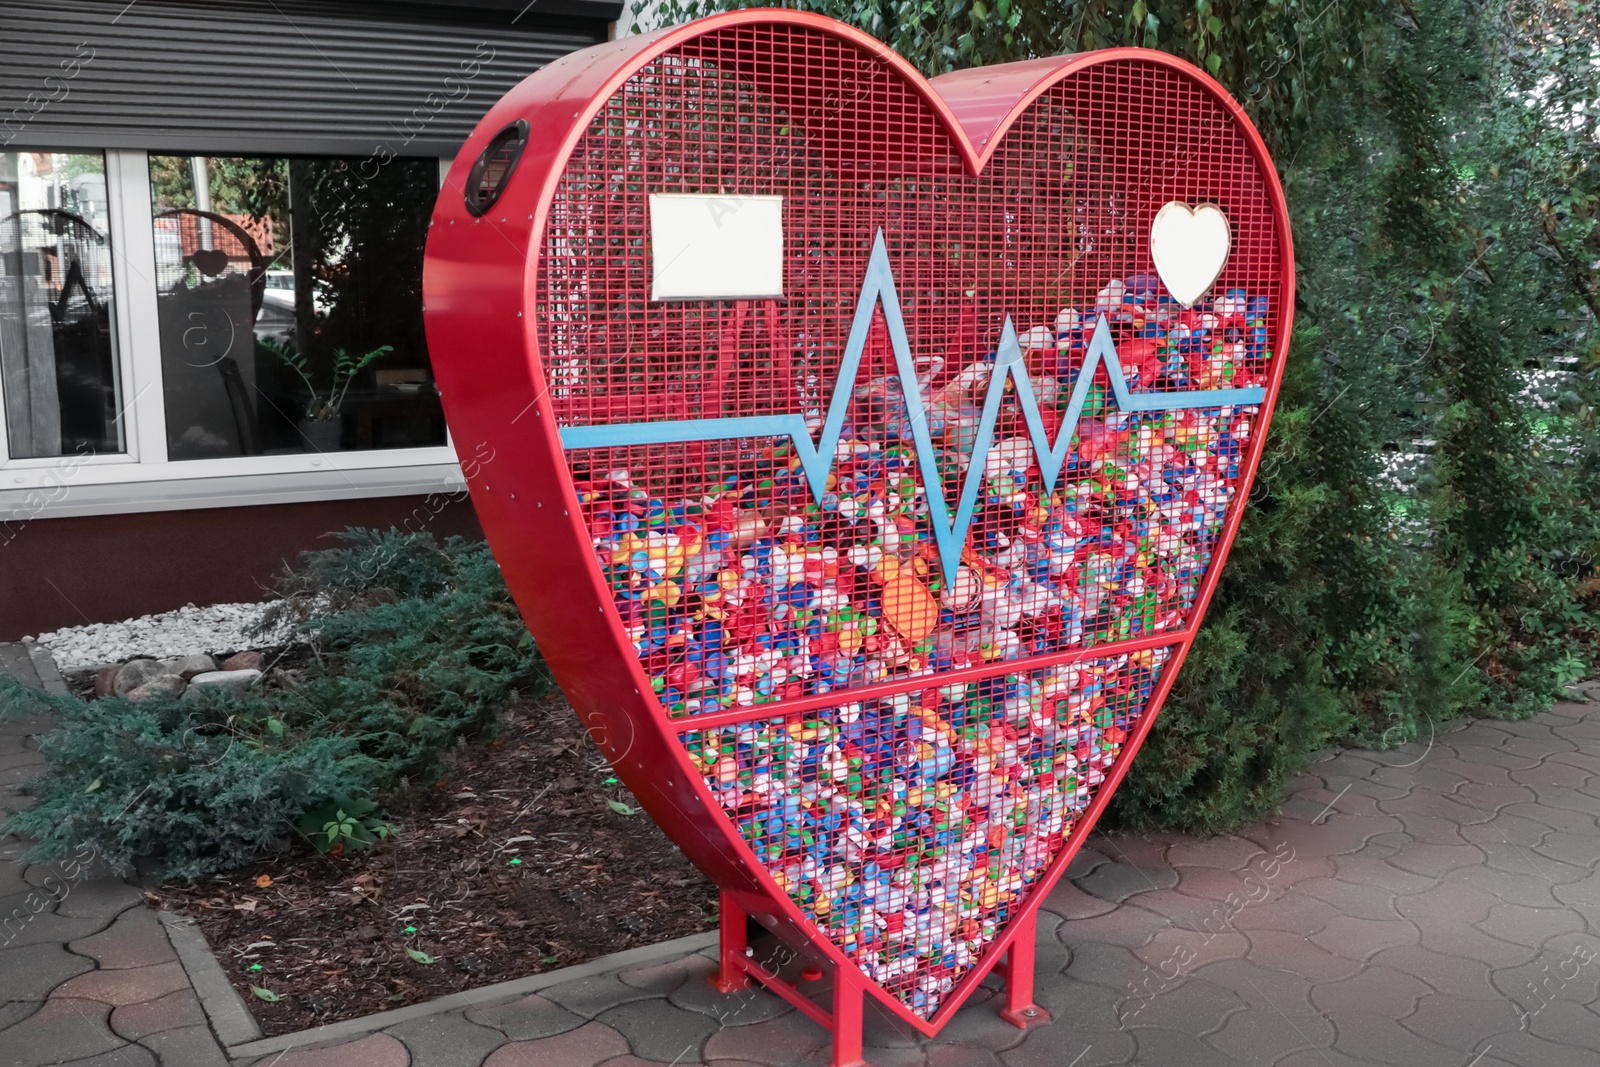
point(271, 76)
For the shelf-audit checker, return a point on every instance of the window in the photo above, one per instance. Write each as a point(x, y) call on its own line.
point(289, 296)
point(58, 355)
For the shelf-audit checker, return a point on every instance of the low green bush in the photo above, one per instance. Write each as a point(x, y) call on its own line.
point(417, 646)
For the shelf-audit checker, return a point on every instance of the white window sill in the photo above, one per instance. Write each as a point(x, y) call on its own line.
point(106, 487)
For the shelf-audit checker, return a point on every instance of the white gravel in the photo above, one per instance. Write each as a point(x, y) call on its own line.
point(218, 628)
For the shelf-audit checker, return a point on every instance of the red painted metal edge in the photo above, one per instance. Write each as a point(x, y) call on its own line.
point(496, 369)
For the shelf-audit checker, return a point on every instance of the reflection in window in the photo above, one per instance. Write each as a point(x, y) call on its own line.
point(291, 304)
point(58, 362)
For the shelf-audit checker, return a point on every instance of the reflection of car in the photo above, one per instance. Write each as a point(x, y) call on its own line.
point(282, 282)
point(275, 321)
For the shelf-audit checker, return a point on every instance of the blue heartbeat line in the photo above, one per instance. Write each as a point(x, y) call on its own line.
point(816, 457)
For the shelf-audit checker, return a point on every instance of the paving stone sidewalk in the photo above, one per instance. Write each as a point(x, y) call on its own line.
point(1435, 905)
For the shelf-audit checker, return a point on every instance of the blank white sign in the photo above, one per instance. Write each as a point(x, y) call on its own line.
point(715, 247)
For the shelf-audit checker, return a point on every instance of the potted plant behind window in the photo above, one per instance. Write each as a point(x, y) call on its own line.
point(320, 424)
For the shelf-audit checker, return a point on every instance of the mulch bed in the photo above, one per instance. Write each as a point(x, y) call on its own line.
point(526, 856)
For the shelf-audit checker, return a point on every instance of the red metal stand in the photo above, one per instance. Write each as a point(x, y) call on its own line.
point(731, 975)
point(736, 967)
point(1020, 1010)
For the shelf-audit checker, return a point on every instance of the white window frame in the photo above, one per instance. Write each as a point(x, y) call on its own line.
point(142, 478)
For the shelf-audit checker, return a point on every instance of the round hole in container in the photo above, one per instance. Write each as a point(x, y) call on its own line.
point(494, 167)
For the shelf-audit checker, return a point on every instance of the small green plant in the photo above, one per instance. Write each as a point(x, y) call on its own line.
point(324, 405)
point(346, 824)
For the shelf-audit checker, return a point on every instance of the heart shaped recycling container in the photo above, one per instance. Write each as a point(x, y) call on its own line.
point(857, 471)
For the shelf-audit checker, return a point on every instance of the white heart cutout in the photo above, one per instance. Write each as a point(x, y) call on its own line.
point(1190, 247)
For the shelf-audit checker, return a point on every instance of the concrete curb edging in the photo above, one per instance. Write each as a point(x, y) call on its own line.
point(224, 1008)
point(44, 665)
point(241, 1038)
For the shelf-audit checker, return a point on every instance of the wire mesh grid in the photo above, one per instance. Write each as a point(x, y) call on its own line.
point(739, 585)
point(910, 829)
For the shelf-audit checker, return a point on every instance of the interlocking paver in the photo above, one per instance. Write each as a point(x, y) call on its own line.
point(592, 995)
point(658, 1030)
point(126, 1056)
point(1285, 992)
point(663, 978)
point(1357, 939)
point(1118, 881)
point(446, 1040)
point(62, 1029)
point(773, 1042)
point(1126, 926)
point(1291, 912)
point(1374, 1037)
point(194, 1046)
point(98, 898)
point(1159, 1045)
point(1504, 830)
point(1045, 1047)
point(1529, 926)
point(1194, 1005)
point(1077, 1006)
point(127, 986)
point(175, 1010)
point(1559, 809)
point(1086, 860)
point(943, 1055)
point(1524, 1049)
point(1566, 1023)
point(1459, 1022)
point(1299, 955)
point(1354, 899)
point(743, 1007)
point(1455, 976)
point(134, 939)
point(1375, 988)
point(374, 1050)
point(881, 1030)
point(1070, 902)
point(46, 927)
point(1516, 881)
point(1373, 869)
point(1577, 850)
point(1263, 1034)
point(15, 1011)
point(1435, 861)
point(526, 1019)
point(1188, 949)
point(1229, 852)
point(1112, 966)
point(979, 1023)
point(28, 972)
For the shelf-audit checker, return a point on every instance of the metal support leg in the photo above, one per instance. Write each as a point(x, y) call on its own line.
point(847, 1018)
point(1020, 1010)
point(730, 975)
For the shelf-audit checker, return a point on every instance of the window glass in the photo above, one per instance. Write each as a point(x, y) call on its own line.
point(291, 304)
point(58, 353)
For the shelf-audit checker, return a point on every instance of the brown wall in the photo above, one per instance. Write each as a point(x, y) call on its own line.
point(69, 571)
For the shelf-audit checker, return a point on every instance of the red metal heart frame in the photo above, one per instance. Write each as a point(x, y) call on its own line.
point(870, 592)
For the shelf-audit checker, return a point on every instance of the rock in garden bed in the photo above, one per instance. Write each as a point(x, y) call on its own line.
point(181, 633)
point(524, 856)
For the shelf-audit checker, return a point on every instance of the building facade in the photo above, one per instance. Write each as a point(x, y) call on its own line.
point(212, 218)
